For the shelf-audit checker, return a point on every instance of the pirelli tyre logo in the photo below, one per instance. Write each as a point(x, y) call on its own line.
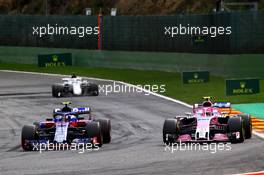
point(55, 60)
point(242, 86)
point(195, 77)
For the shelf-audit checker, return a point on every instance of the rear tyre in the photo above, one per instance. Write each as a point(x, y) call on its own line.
point(235, 125)
point(105, 129)
point(94, 89)
point(85, 89)
point(93, 130)
point(247, 125)
point(170, 131)
point(28, 133)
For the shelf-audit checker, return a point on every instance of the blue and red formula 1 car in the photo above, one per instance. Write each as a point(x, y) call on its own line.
point(208, 123)
point(68, 125)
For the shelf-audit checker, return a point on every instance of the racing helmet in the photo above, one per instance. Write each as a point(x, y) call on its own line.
point(66, 109)
point(207, 104)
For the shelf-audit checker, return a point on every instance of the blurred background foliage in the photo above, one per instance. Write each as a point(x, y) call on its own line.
point(125, 7)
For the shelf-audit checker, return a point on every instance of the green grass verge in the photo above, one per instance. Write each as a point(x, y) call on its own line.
point(189, 93)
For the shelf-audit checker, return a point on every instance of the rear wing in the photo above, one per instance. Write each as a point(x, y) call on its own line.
point(75, 111)
point(79, 111)
point(222, 105)
point(72, 79)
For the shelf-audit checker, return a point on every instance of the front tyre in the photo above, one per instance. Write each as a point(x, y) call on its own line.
point(28, 133)
point(57, 91)
point(236, 130)
point(170, 131)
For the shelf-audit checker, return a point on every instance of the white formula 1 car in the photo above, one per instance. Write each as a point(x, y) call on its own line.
point(74, 86)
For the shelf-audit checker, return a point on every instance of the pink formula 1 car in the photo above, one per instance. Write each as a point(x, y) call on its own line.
point(207, 124)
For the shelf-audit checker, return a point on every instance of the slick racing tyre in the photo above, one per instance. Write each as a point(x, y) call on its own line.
point(94, 90)
point(57, 90)
point(105, 129)
point(170, 131)
point(247, 125)
point(28, 133)
point(235, 126)
point(85, 89)
point(93, 130)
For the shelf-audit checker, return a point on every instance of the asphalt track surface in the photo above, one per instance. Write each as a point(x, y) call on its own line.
point(136, 146)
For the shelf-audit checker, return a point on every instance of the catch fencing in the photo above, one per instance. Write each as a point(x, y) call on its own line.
point(141, 33)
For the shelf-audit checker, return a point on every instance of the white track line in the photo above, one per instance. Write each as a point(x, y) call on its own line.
point(127, 84)
point(258, 134)
point(257, 172)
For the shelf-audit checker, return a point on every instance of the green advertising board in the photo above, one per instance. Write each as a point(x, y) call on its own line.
point(195, 77)
point(55, 60)
point(242, 86)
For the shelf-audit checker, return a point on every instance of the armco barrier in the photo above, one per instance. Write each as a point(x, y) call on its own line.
point(244, 65)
